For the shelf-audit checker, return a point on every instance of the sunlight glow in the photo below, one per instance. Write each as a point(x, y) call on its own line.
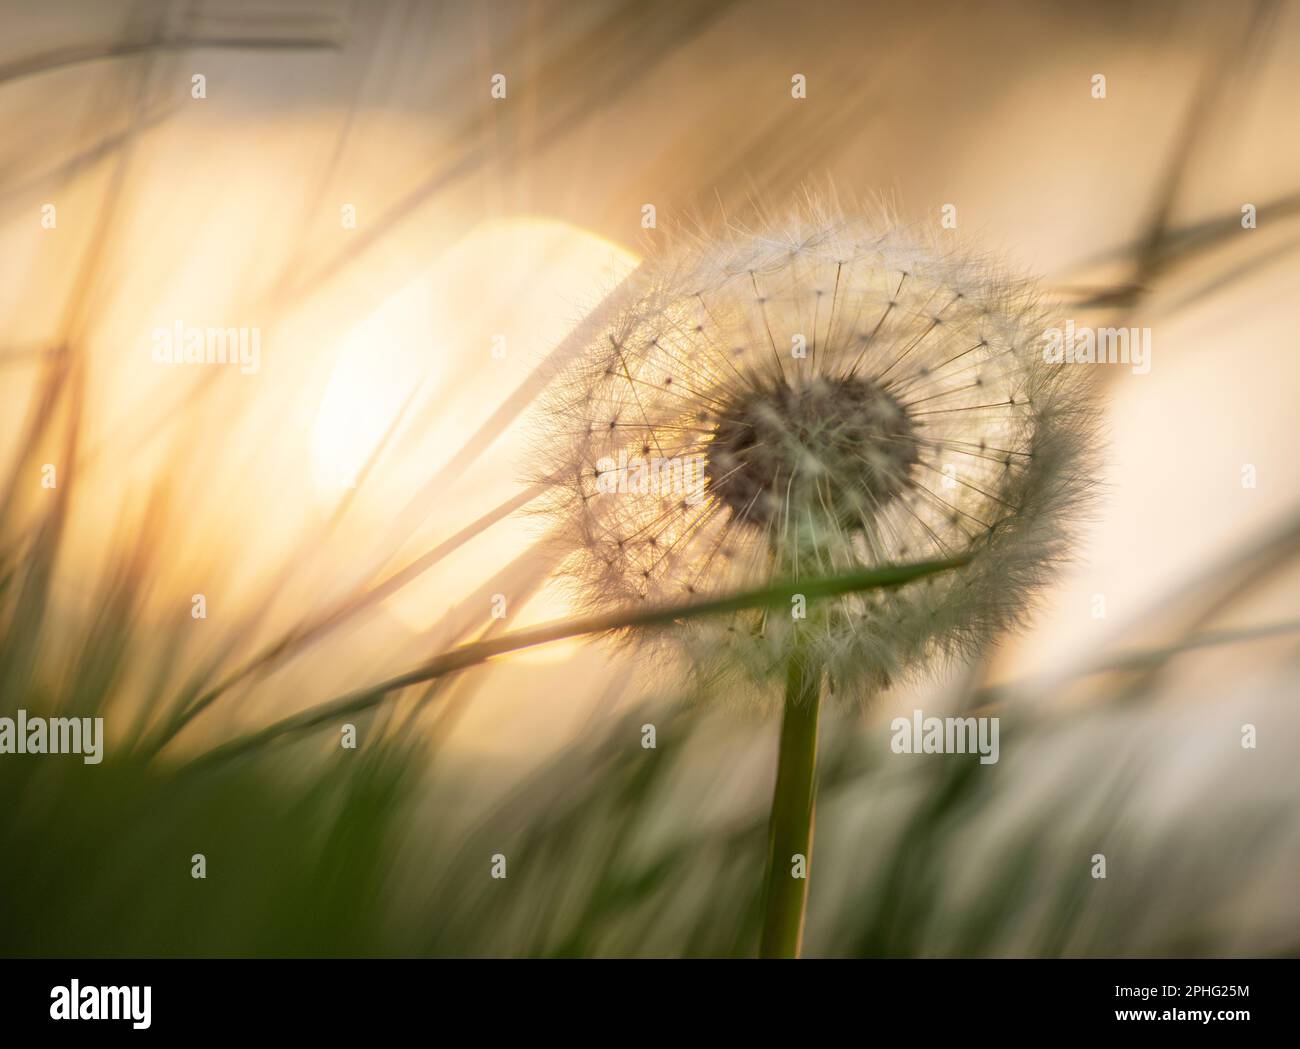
point(506, 293)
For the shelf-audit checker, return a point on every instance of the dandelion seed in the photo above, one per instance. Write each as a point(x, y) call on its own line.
point(920, 371)
point(918, 358)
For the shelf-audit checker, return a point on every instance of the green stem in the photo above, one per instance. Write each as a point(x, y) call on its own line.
point(790, 833)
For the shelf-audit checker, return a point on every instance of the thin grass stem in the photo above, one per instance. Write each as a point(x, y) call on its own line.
point(463, 656)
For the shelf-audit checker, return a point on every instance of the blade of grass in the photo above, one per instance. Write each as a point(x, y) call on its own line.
point(61, 58)
point(481, 651)
point(318, 628)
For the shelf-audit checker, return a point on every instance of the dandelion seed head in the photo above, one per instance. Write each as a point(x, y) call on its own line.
point(851, 393)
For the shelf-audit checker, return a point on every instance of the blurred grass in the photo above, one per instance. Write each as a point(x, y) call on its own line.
point(97, 859)
point(612, 849)
point(609, 854)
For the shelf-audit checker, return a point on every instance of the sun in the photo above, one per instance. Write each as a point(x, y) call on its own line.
point(381, 367)
point(416, 377)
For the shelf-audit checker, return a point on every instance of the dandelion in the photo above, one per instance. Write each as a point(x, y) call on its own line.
point(858, 395)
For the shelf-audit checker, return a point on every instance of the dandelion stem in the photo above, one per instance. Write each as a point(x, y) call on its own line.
point(790, 834)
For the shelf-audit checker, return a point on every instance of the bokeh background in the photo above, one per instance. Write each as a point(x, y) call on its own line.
point(352, 508)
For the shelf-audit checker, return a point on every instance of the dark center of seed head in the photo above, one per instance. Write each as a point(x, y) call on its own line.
point(844, 447)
